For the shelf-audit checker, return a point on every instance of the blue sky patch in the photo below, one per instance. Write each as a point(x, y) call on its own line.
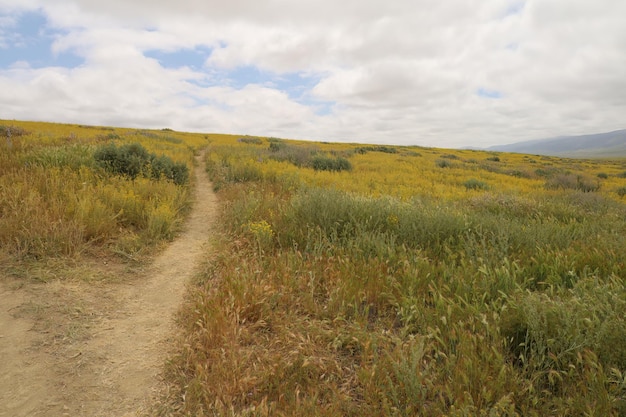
point(487, 93)
point(296, 85)
point(30, 40)
point(192, 58)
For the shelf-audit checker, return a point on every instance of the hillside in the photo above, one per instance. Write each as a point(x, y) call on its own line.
point(610, 144)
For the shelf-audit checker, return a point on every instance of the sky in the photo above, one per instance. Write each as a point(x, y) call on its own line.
point(443, 73)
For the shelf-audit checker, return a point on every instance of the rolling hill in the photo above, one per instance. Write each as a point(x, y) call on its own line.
point(594, 145)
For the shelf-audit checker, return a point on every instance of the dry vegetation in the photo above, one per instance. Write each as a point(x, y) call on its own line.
point(418, 282)
point(354, 280)
point(58, 200)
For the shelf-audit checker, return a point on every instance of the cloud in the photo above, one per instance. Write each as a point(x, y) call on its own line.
point(453, 73)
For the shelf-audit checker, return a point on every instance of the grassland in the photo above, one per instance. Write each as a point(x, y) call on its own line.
point(414, 281)
point(58, 201)
point(351, 279)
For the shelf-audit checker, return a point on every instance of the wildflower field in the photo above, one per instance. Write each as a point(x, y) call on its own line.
point(349, 279)
point(376, 280)
point(62, 196)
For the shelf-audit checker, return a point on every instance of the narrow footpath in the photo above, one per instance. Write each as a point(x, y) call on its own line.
point(107, 363)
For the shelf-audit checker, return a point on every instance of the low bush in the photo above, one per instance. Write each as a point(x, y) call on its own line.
point(12, 131)
point(474, 184)
point(299, 156)
point(251, 140)
point(325, 163)
point(572, 182)
point(383, 149)
point(307, 157)
point(519, 173)
point(133, 160)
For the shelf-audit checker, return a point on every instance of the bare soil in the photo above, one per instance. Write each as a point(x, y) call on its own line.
point(80, 347)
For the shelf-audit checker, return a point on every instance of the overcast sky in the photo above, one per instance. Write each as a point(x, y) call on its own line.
point(445, 73)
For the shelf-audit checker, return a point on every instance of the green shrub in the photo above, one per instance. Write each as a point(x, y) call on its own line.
point(299, 156)
point(622, 175)
point(383, 149)
point(494, 158)
point(603, 175)
point(127, 160)
point(621, 191)
point(442, 163)
point(133, 160)
point(164, 167)
point(325, 163)
point(519, 174)
point(276, 146)
point(474, 184)
point(251, 141)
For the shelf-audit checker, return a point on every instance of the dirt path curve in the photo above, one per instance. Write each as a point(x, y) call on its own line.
point(112, 369)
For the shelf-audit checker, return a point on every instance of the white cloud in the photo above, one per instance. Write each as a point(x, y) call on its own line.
point(401, 71)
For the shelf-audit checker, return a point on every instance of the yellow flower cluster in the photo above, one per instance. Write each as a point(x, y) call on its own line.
point(262, 231)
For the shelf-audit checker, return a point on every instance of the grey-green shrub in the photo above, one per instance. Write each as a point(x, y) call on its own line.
point(133, 160)
point(474, 184)
point(326, 163)
point(572, 182)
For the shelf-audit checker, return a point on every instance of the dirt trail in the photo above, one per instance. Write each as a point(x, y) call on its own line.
point(108, 363)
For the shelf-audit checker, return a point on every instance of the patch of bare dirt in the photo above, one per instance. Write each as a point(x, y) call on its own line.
point(96, 349)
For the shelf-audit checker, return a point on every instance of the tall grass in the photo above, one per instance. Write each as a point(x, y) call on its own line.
point(327, 302)
point(56, 201)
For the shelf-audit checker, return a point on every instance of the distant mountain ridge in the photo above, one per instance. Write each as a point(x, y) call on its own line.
point(595, 145)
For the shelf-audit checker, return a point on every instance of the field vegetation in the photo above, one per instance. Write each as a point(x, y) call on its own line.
point(350, 280)
point(69, 190)
point(419, 282)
